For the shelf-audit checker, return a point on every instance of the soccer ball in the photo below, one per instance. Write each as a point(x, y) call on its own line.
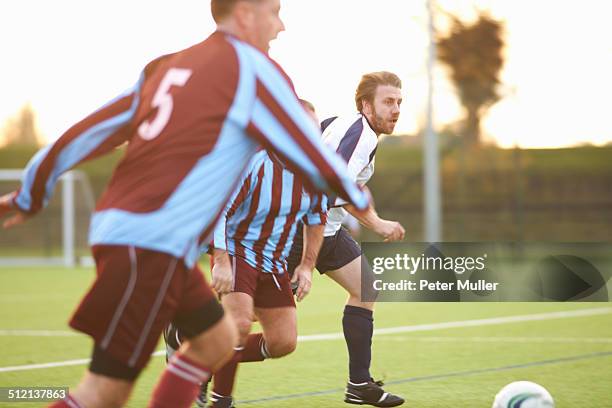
point(523, 394)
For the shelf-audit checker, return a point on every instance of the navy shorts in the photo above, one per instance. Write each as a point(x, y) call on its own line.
point(337, 251)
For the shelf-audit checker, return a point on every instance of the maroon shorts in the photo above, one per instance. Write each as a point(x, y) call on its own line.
point(268, 290)
point(137, 292)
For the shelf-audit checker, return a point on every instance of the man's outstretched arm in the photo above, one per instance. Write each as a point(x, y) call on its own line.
point(98, 134)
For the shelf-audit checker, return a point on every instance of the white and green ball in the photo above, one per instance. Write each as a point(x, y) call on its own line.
point(523, 394)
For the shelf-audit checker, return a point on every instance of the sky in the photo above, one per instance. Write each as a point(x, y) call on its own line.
point(68, 57)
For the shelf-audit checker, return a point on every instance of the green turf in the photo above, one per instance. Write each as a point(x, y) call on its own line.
point(460, 367)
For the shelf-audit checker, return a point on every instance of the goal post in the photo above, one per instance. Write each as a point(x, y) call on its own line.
point(56, 236)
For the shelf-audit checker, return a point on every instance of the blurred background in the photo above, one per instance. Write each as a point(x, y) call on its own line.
point(519, 98)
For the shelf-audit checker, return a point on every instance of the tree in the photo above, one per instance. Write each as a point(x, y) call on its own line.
point(21, 129)
point(473, 53)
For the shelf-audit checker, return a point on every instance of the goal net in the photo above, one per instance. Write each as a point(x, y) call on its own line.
point(58, 234)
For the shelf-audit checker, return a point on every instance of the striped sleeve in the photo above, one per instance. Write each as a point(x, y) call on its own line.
point(98, 134)
point(317, 215)
point(280, 123)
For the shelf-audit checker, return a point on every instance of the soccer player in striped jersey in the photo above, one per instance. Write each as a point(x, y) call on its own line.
point(192, 122)
point(355, 138)
point(257, 231)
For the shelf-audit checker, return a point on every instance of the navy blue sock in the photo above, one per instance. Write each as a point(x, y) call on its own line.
point(358, 326)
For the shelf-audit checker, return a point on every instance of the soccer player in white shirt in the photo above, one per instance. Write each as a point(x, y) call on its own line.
point(355, 138)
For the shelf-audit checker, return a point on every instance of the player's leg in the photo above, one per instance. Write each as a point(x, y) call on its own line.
point(345, 265)
point(340, 260)
point(357, 321)
point(198, 357)
point(175, 338)
point(96, 390)
point(279, 327)
point(275, 309)
point(209, 334)
point(349, 277)
point(240, 305)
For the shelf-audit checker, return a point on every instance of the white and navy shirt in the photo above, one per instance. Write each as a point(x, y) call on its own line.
point(353, 139)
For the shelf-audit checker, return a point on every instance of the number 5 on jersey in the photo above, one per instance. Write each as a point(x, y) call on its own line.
point(162, 100)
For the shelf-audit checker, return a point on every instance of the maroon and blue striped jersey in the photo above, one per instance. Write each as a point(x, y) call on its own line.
point(260, 223)
point(192, 122)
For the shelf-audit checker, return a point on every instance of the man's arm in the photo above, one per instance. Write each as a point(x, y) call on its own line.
point(96, 135)
point(222, 273)
point(314, 225)
point(222, 276)
point(389, 230)
point(313, 239)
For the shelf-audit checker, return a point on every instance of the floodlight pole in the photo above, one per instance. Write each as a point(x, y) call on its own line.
point(431, 178)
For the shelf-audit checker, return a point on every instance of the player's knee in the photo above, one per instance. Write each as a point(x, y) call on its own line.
point(243, 326)
point(358, 302)
point(355, 298)
point(214, 346)
point(280, 346)
point(227, 341)
point(355, 293)
point(97, 390)
point(229, 338)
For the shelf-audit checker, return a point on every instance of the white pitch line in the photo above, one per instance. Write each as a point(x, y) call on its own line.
point(469, 323)
point(66, 363)
point(38, 333)
point(390, 330)
point(494, 339)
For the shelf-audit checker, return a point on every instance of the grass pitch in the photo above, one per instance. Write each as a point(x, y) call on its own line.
point(431, 366)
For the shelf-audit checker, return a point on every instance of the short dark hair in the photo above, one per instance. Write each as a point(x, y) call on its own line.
point(222, 8)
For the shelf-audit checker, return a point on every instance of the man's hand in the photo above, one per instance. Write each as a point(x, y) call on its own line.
point(303, 277)
point(7, 207)
point(222, 273)
point(390, 230)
